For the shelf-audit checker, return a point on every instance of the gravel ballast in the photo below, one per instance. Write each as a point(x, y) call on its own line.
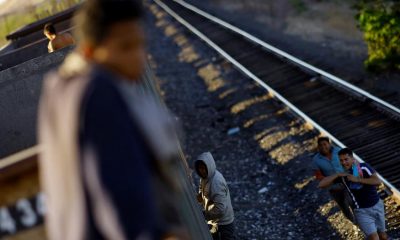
point(263, 151)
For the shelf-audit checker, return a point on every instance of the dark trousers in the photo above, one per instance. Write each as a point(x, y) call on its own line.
point(343, 200)
point(225, 232)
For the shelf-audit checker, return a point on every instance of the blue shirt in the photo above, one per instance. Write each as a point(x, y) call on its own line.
point(366, 196)
point(326, 166)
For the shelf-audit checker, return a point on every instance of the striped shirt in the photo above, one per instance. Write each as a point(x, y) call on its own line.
point(367, 196)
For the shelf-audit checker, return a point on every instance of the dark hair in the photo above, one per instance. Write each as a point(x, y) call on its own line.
point(345, 151)
point(323, 139)
point(49, 28)
point(95, 17)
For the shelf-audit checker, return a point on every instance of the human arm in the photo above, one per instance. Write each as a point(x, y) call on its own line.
point(199, 198)
point(318, 175)
point(372, 180)
point(218, 202)
point(316, 169)
point(70, 39)
point(329, 180)
point(50, 47)
point(369, 176)
point(199, 195)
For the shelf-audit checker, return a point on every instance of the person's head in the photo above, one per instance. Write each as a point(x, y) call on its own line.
point(49, 31)
point(110, 34)
point(346, 158)
point(201, 169)
point(324, 145)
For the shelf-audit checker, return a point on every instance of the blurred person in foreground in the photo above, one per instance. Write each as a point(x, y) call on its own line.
point(326, 163)
point(57, 40)
point(361, 181)
point(103, 139)
point(215, 198)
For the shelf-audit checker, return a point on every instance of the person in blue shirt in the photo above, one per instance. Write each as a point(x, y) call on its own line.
point(360, 181)
point(326, 163)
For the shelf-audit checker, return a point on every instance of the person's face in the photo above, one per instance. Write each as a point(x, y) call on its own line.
point(123, 49)
point(202, 170)
point(346, 160)
point(324, 147)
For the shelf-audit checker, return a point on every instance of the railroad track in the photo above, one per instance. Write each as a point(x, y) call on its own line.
point(347, 115)
point(350, 116)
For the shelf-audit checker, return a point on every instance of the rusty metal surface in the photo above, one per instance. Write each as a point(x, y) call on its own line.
point(20, 204)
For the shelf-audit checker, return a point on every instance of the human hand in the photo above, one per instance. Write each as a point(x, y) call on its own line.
point(352, 178)
point(342, 174)
point(199, 198)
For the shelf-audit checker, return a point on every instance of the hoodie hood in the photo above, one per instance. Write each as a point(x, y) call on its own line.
point(208, 160)
point(215, 193)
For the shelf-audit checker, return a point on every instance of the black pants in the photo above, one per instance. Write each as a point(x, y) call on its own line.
point(225, 232)
point(344, 202)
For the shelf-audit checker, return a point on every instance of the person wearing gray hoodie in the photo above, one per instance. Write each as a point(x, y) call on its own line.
point(215, 198)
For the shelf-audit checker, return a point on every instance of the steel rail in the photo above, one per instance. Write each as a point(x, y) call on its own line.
point(274, 93)
point(293, 59)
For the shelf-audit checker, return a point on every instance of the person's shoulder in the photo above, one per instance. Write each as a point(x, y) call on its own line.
point(51, 80)
point(219, 178)
point(365, 167)
point(67, 36)
point(101, 88)
point(218, 182)
point(336, 149)
point(58, 79)
point(316, 157)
